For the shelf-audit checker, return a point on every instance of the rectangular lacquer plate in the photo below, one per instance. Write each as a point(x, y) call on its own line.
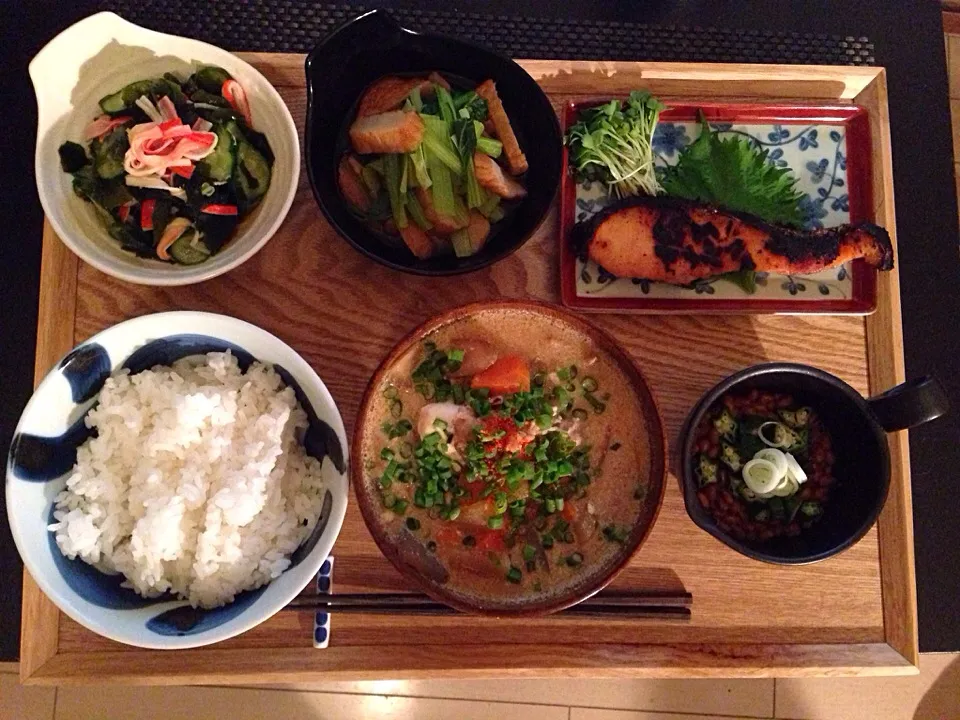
point(826, 148)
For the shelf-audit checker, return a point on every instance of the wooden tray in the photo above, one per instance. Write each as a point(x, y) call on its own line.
point(853, 614)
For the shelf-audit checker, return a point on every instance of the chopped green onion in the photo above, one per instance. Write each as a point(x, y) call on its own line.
point(574, 559)
point(396, 408)
point(386, 454)
point(390, 392)
point(615, 533)
point(400, 507)
point(529, 552)
point(598, 405)
point(453, 513)
point(406, 450)
point(389, 500)
point(514, 574)
point(495, 522)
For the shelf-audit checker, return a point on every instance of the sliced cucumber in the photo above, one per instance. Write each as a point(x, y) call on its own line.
point(188, 249)
point(208, 98)
point(251, 175)
point(118, 102)
point(219, 164)
point(211, 78)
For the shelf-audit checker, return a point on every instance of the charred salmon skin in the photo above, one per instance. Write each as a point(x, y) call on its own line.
point(679, 241)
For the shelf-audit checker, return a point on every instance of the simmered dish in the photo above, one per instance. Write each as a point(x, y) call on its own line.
point(172, 166)
point(510, 457)
point(432, 166)
point(764, 465)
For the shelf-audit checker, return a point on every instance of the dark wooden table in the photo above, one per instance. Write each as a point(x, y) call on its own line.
point(907, 40)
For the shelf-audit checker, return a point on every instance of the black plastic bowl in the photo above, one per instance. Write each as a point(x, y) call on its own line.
point(857, 429)
point(373, 45)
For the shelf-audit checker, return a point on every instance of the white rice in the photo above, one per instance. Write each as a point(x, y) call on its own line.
point(197, 483)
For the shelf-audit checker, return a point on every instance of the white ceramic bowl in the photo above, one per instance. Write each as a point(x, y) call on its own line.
point(44, 449)
point(101, 54)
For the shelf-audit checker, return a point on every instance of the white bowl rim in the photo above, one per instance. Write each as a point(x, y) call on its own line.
point(157, 276)
point(181, 319)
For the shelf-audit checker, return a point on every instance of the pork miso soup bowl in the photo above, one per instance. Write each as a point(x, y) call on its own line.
point(374, 47)
point(99, 56)
point(788, 464)
point(509, 458)
point(44, 454)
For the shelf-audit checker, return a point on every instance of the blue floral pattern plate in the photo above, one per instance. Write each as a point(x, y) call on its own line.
point(828, 151)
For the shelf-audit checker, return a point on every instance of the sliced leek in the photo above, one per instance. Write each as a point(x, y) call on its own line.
point(761, 476)
point(773, 473)
point(778, 440)
point(794, 470)
point(777, 457)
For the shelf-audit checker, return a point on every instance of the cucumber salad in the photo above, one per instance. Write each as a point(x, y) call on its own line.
point(172, 166)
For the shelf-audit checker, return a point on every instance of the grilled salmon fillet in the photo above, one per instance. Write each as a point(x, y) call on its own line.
point(678, 241)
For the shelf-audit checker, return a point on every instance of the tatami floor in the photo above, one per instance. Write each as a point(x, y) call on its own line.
point(932, 695)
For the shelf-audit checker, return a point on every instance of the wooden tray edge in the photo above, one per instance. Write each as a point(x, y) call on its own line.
point(886, 368)
point(405, 662)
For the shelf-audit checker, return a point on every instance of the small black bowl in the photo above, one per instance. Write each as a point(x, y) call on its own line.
point(373, 45)
point(857, 428)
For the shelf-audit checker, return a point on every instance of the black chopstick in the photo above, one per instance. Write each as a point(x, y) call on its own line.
point(611, 604)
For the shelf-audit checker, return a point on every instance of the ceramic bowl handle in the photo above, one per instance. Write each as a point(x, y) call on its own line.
point(375, 29)
point(912, 403)
point(55, 70)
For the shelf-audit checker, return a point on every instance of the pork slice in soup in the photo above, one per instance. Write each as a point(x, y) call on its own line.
point(511, 453)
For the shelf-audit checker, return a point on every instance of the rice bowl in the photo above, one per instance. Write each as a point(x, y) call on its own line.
point(46, 450)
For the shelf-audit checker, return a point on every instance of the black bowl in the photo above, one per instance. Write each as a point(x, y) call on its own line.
point(857, 428)
point(373, 45)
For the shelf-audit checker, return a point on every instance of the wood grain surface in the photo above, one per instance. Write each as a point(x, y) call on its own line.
point(851, 614)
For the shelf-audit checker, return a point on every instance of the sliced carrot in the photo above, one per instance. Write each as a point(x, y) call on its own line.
point(508, 374)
